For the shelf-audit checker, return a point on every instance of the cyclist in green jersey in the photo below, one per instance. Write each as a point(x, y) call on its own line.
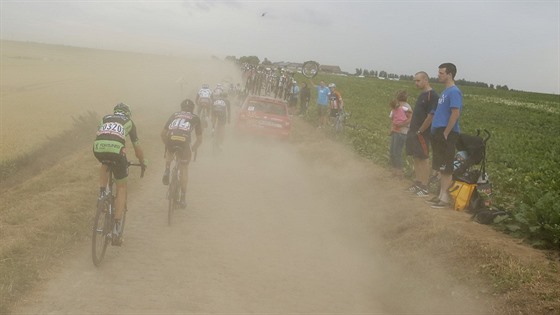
point(109, 147)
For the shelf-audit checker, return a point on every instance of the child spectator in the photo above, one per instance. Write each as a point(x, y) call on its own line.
point(401, 114)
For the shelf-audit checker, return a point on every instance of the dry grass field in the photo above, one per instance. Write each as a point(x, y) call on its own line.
point(44, 86)
point(300, 227)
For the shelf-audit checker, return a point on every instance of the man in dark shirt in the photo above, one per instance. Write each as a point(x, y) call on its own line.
point(418, 136)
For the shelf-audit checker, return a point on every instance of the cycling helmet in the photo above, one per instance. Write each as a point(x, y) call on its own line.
point(217, 92)
point(122, 108)
point(332, 85)
point(187, 105)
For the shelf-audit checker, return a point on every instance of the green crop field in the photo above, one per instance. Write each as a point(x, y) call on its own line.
point(523, 154)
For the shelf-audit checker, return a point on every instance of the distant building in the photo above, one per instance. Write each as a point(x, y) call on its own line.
point(330, 69)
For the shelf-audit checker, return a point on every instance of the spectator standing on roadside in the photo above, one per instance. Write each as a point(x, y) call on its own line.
point(418, 136)
point(401, 114)
point(336, 104)
point(304, 97)
point(322, 102)
point(445, 130)
point(294, 95)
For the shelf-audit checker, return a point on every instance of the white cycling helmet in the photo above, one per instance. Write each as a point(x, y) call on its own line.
point(332, 85)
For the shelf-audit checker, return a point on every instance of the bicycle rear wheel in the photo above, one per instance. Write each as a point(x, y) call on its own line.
point(172, 197)
point(101, 231)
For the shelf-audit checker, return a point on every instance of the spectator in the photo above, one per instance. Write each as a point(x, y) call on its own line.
point(336, 104)
point(294, 94)
point(418, 138)
point(401, 114)
point(445, 131)
point(322, 102)
point(304, 97)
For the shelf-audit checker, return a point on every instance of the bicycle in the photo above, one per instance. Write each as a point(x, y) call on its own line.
point(340, 121)
point(104, 218)
point(174, 189)
point(204, 112)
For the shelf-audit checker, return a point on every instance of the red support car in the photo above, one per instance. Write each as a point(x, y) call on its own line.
point(264, 116)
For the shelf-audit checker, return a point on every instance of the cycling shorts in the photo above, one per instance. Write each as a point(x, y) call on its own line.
point(219, 116)
point(181, 145)
point(119, 162)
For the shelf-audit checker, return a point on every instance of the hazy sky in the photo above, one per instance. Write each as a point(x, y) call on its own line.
point(513, 43)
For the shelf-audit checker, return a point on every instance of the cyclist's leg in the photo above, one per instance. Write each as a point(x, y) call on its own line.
point(120, 201)
point(103, 157)
point(103, 176)
point(221, 129)
point(168, 159)
point(184, 160)
point(120, 172)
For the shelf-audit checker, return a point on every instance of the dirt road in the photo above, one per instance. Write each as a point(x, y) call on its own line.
point(270, 228)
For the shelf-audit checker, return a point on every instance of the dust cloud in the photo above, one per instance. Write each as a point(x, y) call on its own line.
point(271, 227)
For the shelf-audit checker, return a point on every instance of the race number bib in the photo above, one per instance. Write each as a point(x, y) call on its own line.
point(112, 128)
point(180, 124)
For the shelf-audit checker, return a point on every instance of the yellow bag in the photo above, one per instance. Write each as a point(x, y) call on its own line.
point(461, 194)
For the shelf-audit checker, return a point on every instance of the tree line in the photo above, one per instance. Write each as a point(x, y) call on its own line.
point(393, 76)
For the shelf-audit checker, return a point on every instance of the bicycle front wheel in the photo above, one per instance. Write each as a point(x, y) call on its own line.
point(101, 231)
point(339, 126)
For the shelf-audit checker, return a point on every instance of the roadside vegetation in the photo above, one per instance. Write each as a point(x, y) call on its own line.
point(523, 154)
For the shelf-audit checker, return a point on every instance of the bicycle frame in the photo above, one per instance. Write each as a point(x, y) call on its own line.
point(340, 120)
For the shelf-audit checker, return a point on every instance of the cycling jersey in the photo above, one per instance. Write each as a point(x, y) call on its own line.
point(220, 109)
point(206, 93)
point(335, 100)
point(112, 132)
point(110, 142)
point(180, 126)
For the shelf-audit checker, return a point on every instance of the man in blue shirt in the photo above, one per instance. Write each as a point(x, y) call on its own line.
point(445, 130)
point(322, 102)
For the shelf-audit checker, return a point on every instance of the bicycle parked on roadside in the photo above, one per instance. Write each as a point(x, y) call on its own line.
point(104, 221)
point(340, 121)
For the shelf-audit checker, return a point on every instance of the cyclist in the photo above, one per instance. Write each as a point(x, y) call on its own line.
point(109, 147)
point(203, 99)
point(220, 114)
point(336, 105)
point(176, 133)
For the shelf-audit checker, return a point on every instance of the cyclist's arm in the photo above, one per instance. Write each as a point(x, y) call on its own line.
point(139, 153)
point(136, 144)
point(165, 130)
point(198, 134)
